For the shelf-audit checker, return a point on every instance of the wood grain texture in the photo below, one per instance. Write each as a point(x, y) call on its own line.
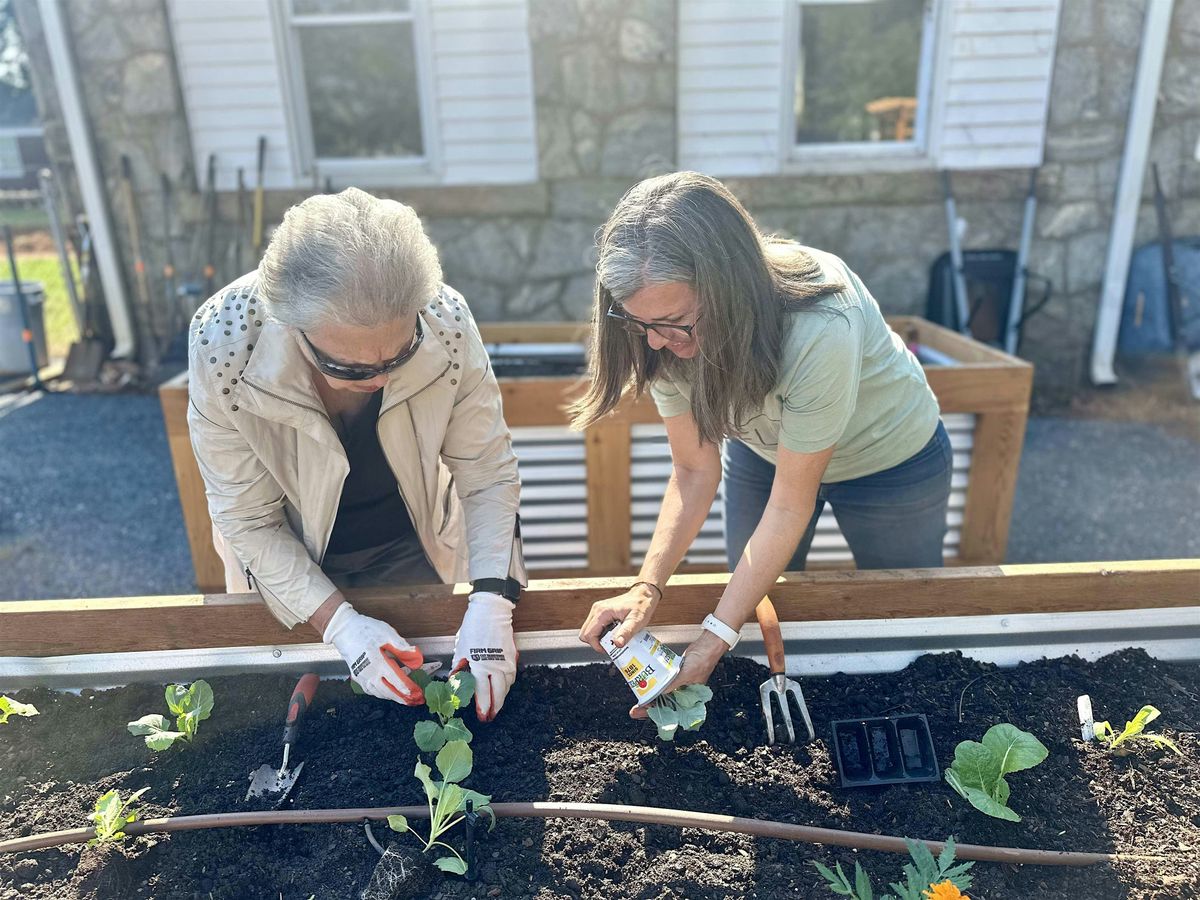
point(42, 628)
point(991, 485)
point(607, 448)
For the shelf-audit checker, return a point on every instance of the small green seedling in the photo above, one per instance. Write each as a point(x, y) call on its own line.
point(444, 699)
point(683, 708)
point(10, 707)
point(1134, 731)
point(920, 876)
point(191, 706)
point(112, 815)
point(978, 771)
point(451, 740)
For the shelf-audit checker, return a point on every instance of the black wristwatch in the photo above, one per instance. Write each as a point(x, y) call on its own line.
point(508, 588)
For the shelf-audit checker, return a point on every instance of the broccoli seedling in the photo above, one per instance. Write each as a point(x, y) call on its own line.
point(10, 707)
point(683, 708)
point(978, 771)
point(191, 706)
point(112, 815)
point(1134, 731)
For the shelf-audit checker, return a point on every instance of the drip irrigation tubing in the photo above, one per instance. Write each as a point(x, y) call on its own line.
point(604, 811)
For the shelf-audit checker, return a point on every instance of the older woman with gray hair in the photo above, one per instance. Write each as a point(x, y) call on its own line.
point(350, 433)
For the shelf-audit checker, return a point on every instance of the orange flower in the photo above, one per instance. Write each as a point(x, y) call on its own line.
point(944, 891)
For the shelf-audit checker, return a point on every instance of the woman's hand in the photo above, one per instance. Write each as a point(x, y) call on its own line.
point(699, 660)
point(634, 609)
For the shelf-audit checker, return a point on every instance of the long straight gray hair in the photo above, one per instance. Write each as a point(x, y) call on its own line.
point(688, 228)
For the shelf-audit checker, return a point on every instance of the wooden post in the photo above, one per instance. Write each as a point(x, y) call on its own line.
point(991, 485)
point(607, 448)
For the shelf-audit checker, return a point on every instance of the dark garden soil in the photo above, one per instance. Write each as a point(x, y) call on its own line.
point(564, 735)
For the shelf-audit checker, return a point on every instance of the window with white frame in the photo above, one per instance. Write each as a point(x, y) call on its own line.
point(11, 164)
point(358, 76)
point(861, 76)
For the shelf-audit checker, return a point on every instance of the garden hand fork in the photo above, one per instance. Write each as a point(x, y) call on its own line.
point(779, 686)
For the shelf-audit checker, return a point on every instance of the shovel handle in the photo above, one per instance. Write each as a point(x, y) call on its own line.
point(768, 621)
point(302, 698)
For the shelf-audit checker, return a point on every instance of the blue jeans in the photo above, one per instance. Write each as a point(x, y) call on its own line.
point(894, 519)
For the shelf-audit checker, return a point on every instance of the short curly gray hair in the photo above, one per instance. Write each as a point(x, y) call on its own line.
point(349, 258)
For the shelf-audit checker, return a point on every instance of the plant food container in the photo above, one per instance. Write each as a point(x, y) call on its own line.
point(647, 664)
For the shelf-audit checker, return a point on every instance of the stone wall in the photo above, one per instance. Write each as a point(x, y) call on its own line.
point(604, 80)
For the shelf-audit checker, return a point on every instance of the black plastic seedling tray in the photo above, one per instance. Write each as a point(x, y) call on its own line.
point(884, 750)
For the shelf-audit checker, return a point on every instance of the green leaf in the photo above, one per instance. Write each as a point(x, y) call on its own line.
point(862, 883)
point(11, 707)
point(462, 686)
point(420, 677)
point(985, 804)
point(451, 864)
point(922, 857)
point(456, 730)
point(1014, 749)
point(111, 815)
point(200, 700)
point(691, 694)
point(838, 882)
point(440, 700)
point(356, 688)
point(398, 823)
point(422, 774)
point(156, 730)
point(176, 694)
point(454, 761)
point(450, 801)
point(946, 858)
point(974, 766)
point(666, 718)
point(1160, 741)
point(429, 736)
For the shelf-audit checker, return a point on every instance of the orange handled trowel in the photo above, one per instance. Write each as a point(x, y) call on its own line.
point(267, 781)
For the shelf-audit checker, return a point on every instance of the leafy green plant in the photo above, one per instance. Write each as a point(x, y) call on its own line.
point(191, 705)
point(978, 771)
point(925, 876)
point(451, 740)
point(112, 815)
point(683, 708)
point(1134, 731)
point(444, 699)
point(11, 707)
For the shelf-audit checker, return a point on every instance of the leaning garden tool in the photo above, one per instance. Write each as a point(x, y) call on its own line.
point(266, 780)
point(779, 688)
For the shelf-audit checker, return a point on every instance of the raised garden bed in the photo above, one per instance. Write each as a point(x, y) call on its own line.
point(564, 735)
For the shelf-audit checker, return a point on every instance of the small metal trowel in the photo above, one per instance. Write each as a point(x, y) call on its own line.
point(267, 781)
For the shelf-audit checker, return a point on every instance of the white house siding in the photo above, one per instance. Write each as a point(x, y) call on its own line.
point(231, 77)
point(990, 87)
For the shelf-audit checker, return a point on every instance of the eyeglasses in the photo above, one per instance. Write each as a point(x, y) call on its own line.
point(666, 330)
point(363, 373)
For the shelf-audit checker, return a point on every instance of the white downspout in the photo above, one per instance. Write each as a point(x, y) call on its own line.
point(91, 180)
point(1139, 128)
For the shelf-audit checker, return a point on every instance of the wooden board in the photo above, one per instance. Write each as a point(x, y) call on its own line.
point(59, 627)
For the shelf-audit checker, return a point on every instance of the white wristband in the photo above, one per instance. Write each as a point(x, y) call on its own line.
point(721, 630)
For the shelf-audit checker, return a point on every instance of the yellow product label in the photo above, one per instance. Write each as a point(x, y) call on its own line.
point(632, 668)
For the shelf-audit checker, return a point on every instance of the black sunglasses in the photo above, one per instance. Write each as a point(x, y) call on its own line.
point(363, 373)
point(666, 330)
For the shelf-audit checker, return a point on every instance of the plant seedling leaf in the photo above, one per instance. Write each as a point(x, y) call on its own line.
point(454, 761)
point(156, 730)
point(451, 800)
point(440, 700)
point(429, 736)
point(456, 730)
point(11, 707)
point(200, 700)
point(862, 883)
point(451, 864)
point(462, 686)
point(398, 823)
point(1014, 749)
point(420, 677)
point(974, 766)
point(422, 773)
point(985, 804)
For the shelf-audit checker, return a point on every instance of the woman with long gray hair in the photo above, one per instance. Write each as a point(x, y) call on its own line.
point(774, 370)
point(349, 431)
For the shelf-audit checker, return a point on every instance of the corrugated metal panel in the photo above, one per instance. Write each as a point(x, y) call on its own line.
point(998, 65)
point(554, 498)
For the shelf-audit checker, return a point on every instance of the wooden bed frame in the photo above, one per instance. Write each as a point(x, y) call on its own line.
point(986, 382)
point(48, 628)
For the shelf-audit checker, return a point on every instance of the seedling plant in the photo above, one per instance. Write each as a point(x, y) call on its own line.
point(191, 705)
point(112, 814)
point(978, 771)
point(925, 878)
point(11, 707)
point(1134, 731)
point(683, 708)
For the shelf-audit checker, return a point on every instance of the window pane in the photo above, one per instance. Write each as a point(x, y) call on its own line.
point(362, 90)
point(10, 157)
point(326, 7)
point(857, 71)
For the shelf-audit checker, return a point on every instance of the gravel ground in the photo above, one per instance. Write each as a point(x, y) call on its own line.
point(89, 508)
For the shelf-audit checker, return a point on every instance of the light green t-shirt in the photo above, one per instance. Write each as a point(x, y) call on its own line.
point(846, 381)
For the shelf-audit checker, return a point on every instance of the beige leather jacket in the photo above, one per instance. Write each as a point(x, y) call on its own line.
point(273, 465)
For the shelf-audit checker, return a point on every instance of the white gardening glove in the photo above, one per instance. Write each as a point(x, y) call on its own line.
point(485, 645)
point(379, 659)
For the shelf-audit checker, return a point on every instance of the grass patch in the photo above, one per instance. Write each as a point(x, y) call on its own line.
point(61, 330)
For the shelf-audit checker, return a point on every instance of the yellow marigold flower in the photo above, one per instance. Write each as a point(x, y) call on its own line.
point(944, 891)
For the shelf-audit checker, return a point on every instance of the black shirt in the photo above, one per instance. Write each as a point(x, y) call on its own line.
point(371, 511)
